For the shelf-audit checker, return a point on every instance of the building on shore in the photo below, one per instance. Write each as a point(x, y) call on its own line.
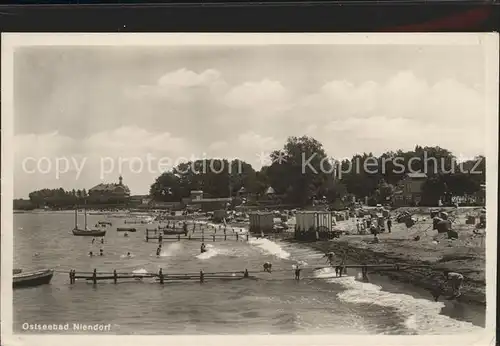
point(409, 191)
point(139, 200)
point(109, 193)
point(197, 200)
point(213, 204)
point(196, 195)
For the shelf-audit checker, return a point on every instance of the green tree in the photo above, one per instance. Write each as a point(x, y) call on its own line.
point(302, 168)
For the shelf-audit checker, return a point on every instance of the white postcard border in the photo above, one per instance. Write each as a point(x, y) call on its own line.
point(11, 41)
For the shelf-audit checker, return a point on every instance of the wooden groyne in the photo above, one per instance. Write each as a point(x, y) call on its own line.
point(161, 277)
point(157, 235)
point(201, 276)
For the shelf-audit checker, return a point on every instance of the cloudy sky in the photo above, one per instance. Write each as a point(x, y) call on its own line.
point(178, 102)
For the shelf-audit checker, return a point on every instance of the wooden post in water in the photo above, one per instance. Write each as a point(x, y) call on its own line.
point(94, 276)
point(71, 276)
point(247, 236)
point(237, 236)
point(115, 276)
point(202, 277)
point(147, 235)
point(364, 272)
point(213, 236)
point(225, 236)
point(178, 237)
point(189, 237)
point(160, 274)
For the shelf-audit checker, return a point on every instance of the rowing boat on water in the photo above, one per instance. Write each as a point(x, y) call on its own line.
point(126, 229)
point(31, 279)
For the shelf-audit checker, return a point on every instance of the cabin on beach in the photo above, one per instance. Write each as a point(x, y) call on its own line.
point(314, 225)
point(314, 221)
point(262, 222)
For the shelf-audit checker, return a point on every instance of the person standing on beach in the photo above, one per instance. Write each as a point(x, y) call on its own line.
point(456, 280)
point(389, 225)
point(329, 257)
point(297, 272)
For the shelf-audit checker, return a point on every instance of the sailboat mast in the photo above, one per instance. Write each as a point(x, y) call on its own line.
point(85, 211)
point(76, 216)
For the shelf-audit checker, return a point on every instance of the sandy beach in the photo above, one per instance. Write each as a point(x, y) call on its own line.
point(433, 253)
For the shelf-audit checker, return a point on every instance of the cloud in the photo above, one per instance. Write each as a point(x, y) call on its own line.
point(264, 95)
point(137, 154)
point(218, 145)
point(380, 134)
point(201, 111)
point(253, 140)
point(133, 139)
point(401, 96)
point(181, 85)
point(186, 78)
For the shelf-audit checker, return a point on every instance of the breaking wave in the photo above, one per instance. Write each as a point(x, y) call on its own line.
point(211, 252)
point(171, 250)
point(422, 315)
point(270, 247)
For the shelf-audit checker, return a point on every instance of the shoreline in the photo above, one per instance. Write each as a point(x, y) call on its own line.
point(424, 275)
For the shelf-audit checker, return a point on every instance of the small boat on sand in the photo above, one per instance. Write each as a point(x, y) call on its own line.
point(105, 223)
point(33, 278)
point(126, 229)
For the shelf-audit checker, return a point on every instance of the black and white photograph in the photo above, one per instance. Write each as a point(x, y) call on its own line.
point(301, 186)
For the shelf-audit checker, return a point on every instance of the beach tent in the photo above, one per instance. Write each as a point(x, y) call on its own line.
point(444, 226)
point(270, 191)
point(435, 222)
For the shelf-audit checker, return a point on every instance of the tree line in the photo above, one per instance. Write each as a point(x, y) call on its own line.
point(53, 198)
point(302, 173)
